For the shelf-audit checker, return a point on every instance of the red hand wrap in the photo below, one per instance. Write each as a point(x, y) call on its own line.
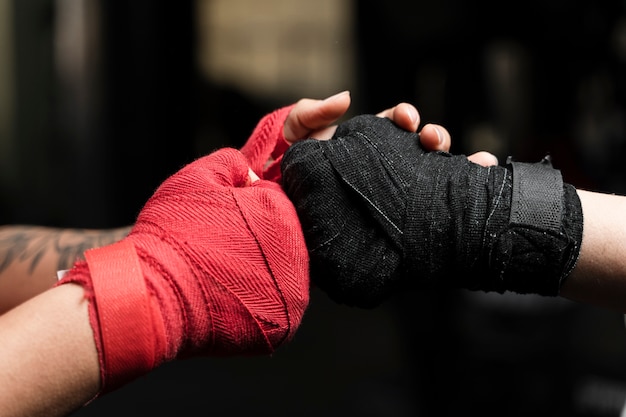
point(123, 304)
point(212, 266)
point(267, 144)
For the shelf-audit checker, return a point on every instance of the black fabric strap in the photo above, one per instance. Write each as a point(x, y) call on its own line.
point(537, 198)
point(381, 215)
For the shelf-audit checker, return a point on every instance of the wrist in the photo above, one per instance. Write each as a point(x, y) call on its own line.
point(120, 309)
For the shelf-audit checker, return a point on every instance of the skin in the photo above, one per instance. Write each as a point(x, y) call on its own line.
point(48, 357)
point(30, 256)
point(599, 277)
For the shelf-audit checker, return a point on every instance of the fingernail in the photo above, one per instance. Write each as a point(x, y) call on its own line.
point(413, 115)
point(439, 135)
point(336, 96)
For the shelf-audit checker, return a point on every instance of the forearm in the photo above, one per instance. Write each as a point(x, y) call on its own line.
point(599, 277)
point(30, 256)
point(48, 358)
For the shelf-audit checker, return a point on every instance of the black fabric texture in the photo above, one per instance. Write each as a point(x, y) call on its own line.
point(381, 215)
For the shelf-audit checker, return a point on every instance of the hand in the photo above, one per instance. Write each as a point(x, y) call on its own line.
point(212, 266)
point(404, 218)
point(316, 118)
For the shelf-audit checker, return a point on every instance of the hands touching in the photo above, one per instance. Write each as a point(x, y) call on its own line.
point(215, 264)
point(404, 218)
point(221, 239)
point(32, 255)
point(316, 119)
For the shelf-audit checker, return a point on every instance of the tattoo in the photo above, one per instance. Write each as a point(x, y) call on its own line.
point(32, 243)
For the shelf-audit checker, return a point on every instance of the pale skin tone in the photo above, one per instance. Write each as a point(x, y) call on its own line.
point(599, 278)
point(30, 256)
point(48, 358)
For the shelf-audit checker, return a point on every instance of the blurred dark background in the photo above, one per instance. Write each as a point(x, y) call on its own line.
point(100, 101)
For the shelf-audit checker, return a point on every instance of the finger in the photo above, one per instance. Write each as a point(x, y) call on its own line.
point(404, 115)
point(435, 137)
point(483, 158)
point(324, 134)
point(309, 115)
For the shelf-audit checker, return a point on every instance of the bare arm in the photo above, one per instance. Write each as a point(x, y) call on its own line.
point(30, 256)
point(600, 274)
point(48, 358)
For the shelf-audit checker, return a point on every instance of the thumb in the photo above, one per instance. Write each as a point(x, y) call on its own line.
point(311, 115)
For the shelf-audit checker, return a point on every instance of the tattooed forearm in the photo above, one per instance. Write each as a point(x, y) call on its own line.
point(30, 257)
point(31, 244)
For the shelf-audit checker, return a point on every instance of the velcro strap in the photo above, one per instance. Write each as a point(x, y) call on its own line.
point(122, 305)
point(537, 195)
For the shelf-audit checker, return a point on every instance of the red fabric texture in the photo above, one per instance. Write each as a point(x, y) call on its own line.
point(266, 146)
point(223, 267)
point(126, 311)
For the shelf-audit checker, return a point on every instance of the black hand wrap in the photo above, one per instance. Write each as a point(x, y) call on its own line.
point(381, 215)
